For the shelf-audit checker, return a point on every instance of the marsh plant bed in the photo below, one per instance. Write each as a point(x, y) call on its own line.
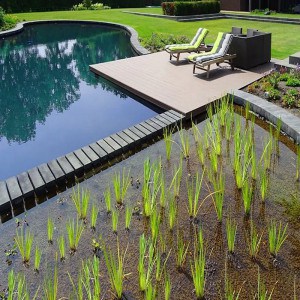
point(207, 211)
point(280, 87)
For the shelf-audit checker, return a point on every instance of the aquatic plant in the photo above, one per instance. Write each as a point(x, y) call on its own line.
point(168, 142)
point(230, 293)
point(24, 242)
point(162, 197)
point(209, 111)
point(262, 293)
point(247, 111)
point(154, 223)
point(198, 273)
point(50, 286)
point(107, 199)
point(218, 198)
point(74, 233)
point(37, 258)
point(128, 216)
point(215, 138)
point(168, 286)
point(11, 283)
point(94, 216)
point(247, 194)
point(193, 189)
point(50, 230)
point(196, 133)
point(253, 163)
point(146, 178)
point(150, 292)
point(185, 142)
point(254, 241)
point(81, 201)
point(176, 180)
point(115, 220)
point(231, 229)
point(264, 183)
point(228, 126)
point(214, 161)
point(172, 212)
point(121, 185)
point(182, 250)
point(115, 268)
point(277, 236)
point(200, 153)
point(267, 154)
point(61, 247)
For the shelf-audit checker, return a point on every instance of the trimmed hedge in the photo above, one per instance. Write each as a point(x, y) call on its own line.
point(183, 8)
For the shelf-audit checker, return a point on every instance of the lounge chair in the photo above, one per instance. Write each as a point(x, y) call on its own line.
point(196, 45)
point(218, 54)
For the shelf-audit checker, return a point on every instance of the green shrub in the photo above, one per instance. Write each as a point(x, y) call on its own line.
point(273, 94)
point(274, 79)
point(184, 8)
point(291, 98)
point(284, 76)
point(79, 6)
point(292, 81)
point(157, 42)
point(89, 5)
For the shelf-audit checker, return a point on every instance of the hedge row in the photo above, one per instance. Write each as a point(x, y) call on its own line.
point(185, 8)
point(49, 5)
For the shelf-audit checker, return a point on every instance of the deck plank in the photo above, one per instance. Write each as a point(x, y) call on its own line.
point(4, 198)
point(25, 184)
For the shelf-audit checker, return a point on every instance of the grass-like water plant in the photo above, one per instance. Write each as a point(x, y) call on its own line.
point(262, 293)
point(196, 133)
point(198, 273)
point(115, 220)
point(121, 184)
point(218, 197)
point(176, 180)
point(74, 233)
point(81, 201)
point(200, 153)
point(150, 292)
point(214, 160)
point(155, 220)
point(228, 126)
point(128, 216)
point(61, 247)
point(231, 229)
point(107, 199)
point(194, 189)
point(11, 283)
point(37, 258)
point(247, 110)
point(115, 267)
point(94, 216)
point(264, 183)
point(277, 236)
point(168, 286)
point(185, 142)
point(254, 241)
point(162, 196)
point(172, 212)
point(230, 293)
point(24, 242)
point(168, 142)
point(50, 230)
point(247, 195)
point(50, 286)
point(182, 251)
point(253, 163)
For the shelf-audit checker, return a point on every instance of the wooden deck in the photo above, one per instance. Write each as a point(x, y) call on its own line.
point(173, 86)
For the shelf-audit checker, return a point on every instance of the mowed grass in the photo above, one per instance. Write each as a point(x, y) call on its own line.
point(284, 36)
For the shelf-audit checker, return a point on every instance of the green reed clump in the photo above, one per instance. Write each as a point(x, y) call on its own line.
point(216, 138)
point(198, 273)
point(230, 293)
point(24, 242)
point(81, 201)
point(128, 216)
point(176, 180)
point(168, 286)
point(228, 126)
point(168, 142)
point(277, 236)
point(107, 199)
point(247, 194)
point(200, 153)
point(61, 247)
point(155, 220)
point(247, 110)
point(121, 184)
point(253, 163)
point(94, 216)
point(182, 251)
point(264, 183)
point(50, 230)
point(37, 258)
point(50, 286)
point(194, 189)
point(214, 161)
point(115, 220)
point(185, 142)
point(74, 233)
point(162, 196)
point(150, 293)
point(172, 212)
point(218, 198)
point(196, 133)
point(231, 229)
point(266, 156)
point(262, 293)
point(254, 241)
point(115, 268)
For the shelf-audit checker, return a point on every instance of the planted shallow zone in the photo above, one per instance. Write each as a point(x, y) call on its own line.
point(51, 104)
point(277, 164)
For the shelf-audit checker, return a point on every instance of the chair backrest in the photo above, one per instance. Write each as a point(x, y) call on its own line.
point(222, 43)
point(236, 30)
point(199, 37)
point(250, 32)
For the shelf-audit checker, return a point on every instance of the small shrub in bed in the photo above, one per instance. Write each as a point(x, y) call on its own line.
point(291, 98)
point(273, 94)
point(285, 76)
point(293, 82)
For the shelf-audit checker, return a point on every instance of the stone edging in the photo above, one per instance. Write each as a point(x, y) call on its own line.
point(133, 34)
point(16, 191)
point(270, 111)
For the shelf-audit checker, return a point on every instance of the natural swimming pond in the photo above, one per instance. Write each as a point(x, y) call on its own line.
point(51, 104)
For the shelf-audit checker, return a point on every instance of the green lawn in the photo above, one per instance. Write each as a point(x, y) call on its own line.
point(284, 36)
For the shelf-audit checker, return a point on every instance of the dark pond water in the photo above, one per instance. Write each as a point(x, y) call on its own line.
point(50, 103)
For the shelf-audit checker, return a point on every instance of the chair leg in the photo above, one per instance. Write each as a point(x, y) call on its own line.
point(194, 68)
point(178, 57)
point(170, 56)
point(207, 72)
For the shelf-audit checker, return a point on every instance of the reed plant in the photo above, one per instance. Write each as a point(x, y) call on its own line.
point(147, 177)
point(128, 216)
point(228, 126)
point(11, 283)
point(168, 286)
point(107, 199)
point(168, 142)
point(230, 293)
point(253, 163)
point(160, 268)
point(277, 236)
point(267, 154)
point(162, 196)
point(50, 230)
point(172, 212)
point(150, 292)
point(196, 133)
point(185, 142)
point(247, 111)
point(231, 229)
point(218, 198)
point(210, 112)
point(194, 188)
point(81, 201)
point(254, 241)
point(24, 242)
point(121, 184)
point(149, 203)
point(262, 293)
point(61, 247)
point(74, 233)
point(115, 220)
point(264, 184)
point(37, 258)
point(216, 138)
point(155, 220)
point(22, 292)
point(115, 267)
point(241, 172)
point(214, 161)
point(94, 216)
point(200, 153)
point(247, 195)
point(50, 286)
point(182, 251)
point(198, 273)
point(176, 180)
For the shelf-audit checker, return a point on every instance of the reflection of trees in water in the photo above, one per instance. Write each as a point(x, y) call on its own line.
point(40, 78)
